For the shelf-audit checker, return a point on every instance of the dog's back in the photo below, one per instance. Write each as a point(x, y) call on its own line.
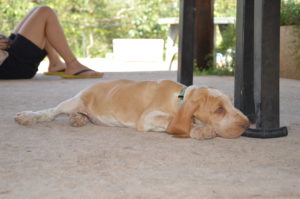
point(122, 102)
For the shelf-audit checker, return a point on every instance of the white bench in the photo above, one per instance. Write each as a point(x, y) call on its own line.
point(173, 22)
point(138, 49)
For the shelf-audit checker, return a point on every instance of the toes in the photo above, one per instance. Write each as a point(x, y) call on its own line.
point(77, 119)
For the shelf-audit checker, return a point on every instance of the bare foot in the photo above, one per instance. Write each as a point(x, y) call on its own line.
point(75, 66)
point(56, 67)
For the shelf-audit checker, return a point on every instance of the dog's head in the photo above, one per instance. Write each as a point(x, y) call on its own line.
point(211, 107)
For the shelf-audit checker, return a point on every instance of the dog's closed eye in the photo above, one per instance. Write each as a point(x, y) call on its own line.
point(220, 110)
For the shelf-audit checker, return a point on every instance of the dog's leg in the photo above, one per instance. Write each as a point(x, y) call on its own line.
point(153, 121)
point(159, 121)
point(202, 132)
point(66, 107)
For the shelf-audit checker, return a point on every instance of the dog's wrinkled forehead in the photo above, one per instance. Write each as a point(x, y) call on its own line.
point(210, 90)
point(214, 92)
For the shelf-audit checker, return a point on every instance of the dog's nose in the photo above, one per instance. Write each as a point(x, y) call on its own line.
point(245, 125)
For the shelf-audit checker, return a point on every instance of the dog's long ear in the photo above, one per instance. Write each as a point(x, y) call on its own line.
point(180, 125)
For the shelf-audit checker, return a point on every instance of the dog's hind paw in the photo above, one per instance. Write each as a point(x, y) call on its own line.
point(78, 119)
point(26, 118)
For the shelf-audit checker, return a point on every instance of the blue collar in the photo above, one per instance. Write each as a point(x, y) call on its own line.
point(181, 95)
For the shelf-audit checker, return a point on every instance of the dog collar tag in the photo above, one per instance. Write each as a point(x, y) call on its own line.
point(181, 96)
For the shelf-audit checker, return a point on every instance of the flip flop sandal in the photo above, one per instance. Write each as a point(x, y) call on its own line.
point(59, 73)
point(78, 76)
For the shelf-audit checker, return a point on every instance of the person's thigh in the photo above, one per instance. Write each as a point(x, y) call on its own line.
point(34, 27)
point(23, 60)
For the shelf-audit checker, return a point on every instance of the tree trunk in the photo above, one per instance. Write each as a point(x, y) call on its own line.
point(204, 33)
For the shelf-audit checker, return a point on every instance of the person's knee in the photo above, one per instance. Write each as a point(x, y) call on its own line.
point(45, 10)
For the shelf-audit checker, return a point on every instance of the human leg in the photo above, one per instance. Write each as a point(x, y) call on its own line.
point(42, 26)
point(55, 63)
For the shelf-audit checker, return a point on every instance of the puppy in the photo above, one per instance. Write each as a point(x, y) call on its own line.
point(196, 112)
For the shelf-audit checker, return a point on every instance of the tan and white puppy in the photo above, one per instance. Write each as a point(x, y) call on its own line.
point(197, 112)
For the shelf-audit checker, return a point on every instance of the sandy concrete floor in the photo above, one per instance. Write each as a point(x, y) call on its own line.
point(56, 161)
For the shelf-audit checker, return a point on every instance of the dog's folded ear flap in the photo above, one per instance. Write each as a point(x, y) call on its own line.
point(180, 125)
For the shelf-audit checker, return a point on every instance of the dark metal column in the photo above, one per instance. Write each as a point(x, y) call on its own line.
point(266, 70)
point(243, 86)
point(186, 42)
point(266, 62)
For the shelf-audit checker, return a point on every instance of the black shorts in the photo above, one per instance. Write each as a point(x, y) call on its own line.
point(23, 60)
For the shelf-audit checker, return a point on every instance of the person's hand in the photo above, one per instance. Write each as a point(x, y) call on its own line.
point(4, 42)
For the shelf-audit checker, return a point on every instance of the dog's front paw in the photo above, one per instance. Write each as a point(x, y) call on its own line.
point(201, 133)
point(25, 118)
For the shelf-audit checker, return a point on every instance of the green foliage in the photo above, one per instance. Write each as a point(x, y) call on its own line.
point(225, 8)
point(290, 12)
point(12, 11)
point(213, 71)
point(227, 46)
point(142, 20)
point(224, 54)
point(90, 25)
